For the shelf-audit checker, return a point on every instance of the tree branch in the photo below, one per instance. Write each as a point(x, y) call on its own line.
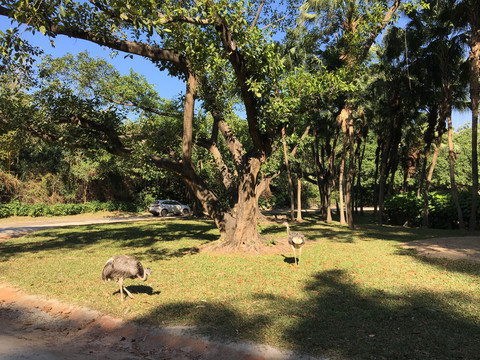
point(238, 63)
point(257, 16)
point(386, 19)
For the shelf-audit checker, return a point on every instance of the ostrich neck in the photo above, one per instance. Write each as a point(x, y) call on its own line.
point(144, 277)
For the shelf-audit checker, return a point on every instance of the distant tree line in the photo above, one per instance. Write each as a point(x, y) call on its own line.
point(326, 105)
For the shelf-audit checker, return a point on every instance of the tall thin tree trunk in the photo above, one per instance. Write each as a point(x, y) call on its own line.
point(375, 183)
point(424, 168)
point(320, 175)
point(329, 176)
point(383, 179)
point(343, 122)
point(341, 185)
point(350, 174)
point(438, 143)
point(289, 176)
point(474, 58)
point(451, 159)
point(359, 181)
point(299, 199)
point(428, 137)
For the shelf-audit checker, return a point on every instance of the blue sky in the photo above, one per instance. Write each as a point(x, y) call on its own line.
point(167, 86)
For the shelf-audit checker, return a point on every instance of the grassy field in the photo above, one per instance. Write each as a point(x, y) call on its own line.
point(356, 294)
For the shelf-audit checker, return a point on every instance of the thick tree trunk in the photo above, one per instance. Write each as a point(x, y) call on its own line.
point(238, 225)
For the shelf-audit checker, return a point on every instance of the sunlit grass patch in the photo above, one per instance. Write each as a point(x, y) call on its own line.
point(356, 294)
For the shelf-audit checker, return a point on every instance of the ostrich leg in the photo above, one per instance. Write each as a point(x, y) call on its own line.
point(300, 255)
point(294, 254)
point(128, 293)
point(120, 284)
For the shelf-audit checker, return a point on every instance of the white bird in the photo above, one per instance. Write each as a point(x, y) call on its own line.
point(296, 241)
point(121, 267)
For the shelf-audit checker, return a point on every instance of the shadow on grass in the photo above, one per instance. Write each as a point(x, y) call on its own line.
point(337, 319)
point(366, 228)
point(288, 259)
point(443, 264)
point(139, 289)
point(121, 235)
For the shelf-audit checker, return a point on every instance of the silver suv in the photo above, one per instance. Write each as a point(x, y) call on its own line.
point(165, 207)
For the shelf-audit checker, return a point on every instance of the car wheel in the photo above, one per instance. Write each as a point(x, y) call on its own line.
point(155, 214)
point(164, 212)
point(185, 212)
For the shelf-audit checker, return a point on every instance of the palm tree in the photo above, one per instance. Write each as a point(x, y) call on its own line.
point(439, 54)
point(467, 17)
point(350, 27)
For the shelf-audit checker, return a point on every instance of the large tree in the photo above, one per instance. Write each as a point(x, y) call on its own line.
point(219, 51)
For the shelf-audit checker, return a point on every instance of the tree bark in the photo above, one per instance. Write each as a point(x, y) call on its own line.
point(239, 232)
point(299, 199)
point(351, 172)
point(474, 62)
point(428, 180)
point(451, 159)
point(428, 138)
point(289, 176)
point(341, 186)
point(382, 179)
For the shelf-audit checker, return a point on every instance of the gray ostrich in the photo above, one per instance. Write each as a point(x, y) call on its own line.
point(121, 267)
point(296, 241)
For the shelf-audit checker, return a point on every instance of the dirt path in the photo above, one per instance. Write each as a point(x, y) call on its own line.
point(454, 248)
point(35, 328)
point(19, 226)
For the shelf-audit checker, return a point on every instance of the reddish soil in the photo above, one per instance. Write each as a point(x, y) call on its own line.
point(35, 328)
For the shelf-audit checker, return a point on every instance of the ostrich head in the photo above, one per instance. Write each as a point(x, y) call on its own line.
point(147, 273)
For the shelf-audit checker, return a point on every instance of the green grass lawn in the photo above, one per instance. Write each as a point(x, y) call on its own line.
point(355, 295)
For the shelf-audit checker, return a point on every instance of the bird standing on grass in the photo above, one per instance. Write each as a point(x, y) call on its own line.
point(121, 267)
point(296, 241)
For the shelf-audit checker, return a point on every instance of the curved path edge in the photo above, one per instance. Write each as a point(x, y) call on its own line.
point(38, 328)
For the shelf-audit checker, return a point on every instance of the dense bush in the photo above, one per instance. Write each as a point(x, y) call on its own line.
point(409, 209)
point(17, 209)
point(404, 209)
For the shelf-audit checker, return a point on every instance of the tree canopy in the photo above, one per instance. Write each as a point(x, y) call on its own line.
point(326, 86)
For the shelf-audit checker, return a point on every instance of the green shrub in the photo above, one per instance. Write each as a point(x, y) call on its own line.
point(38, 210)
point(404, 208)
point(442, 214)
point(16, 209)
